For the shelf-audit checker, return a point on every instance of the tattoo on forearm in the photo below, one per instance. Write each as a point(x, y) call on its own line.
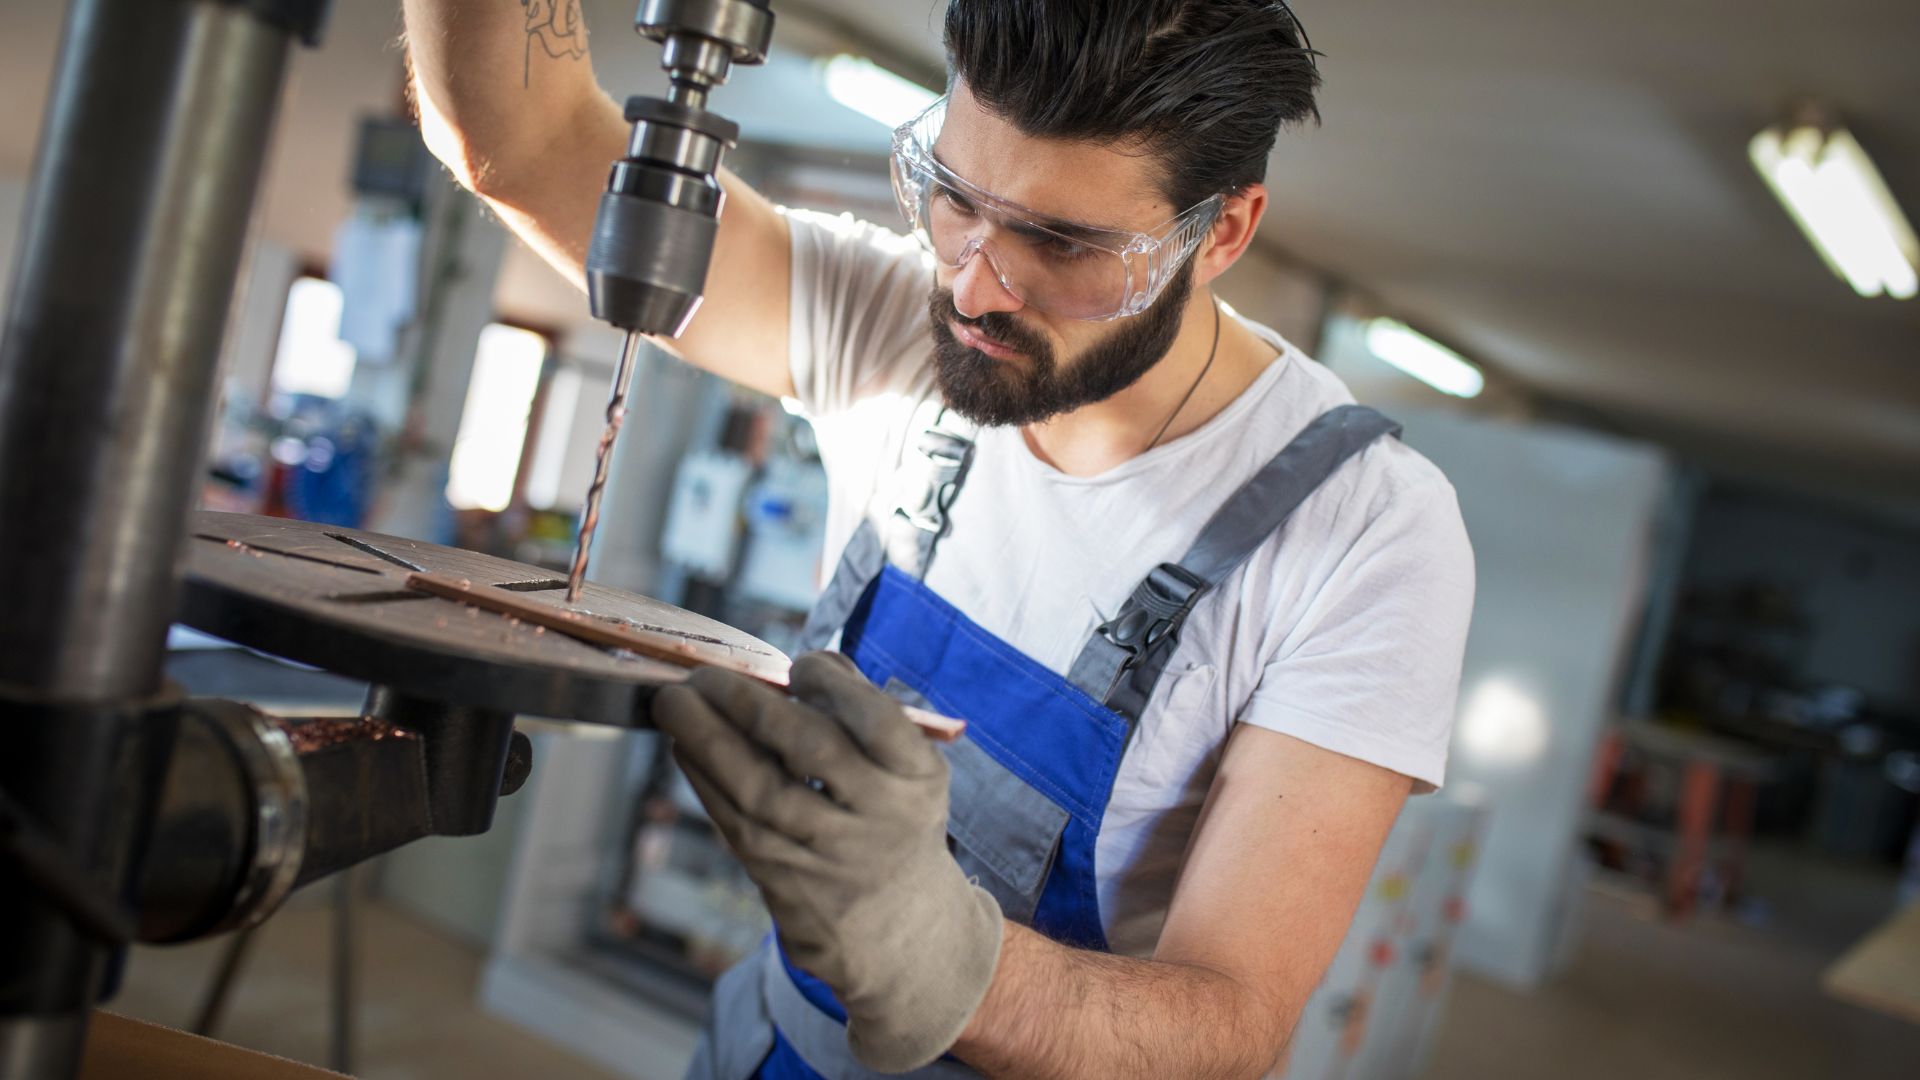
point(558, 28)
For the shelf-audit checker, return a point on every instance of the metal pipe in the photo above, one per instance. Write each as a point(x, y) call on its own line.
point(35, 1046)
point(228, 835)
point(155, 135)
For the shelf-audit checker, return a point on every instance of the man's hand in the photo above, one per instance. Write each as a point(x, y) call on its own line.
point(837, 806)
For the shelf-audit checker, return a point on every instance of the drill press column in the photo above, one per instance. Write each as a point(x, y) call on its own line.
point(155, 135)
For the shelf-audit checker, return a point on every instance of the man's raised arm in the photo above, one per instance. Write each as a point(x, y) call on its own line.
point(508, 101)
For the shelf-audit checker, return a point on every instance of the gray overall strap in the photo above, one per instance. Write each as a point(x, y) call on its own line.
point(860, 563)
point(924, 489)
point(1124, 658)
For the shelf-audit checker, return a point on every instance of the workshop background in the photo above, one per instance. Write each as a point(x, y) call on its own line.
point(1680, 821)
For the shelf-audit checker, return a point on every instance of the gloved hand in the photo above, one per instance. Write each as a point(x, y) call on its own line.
point(856, 871)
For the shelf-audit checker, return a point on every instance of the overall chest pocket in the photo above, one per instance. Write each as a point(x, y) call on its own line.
point(1002, 831)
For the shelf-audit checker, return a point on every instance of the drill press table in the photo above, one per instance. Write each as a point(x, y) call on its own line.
point(338, 599)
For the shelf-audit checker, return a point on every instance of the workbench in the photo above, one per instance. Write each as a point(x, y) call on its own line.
point(1882, 972)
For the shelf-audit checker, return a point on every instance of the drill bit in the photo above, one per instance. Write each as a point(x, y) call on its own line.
point(603, 460)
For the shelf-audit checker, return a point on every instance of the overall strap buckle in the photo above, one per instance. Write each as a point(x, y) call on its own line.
point(1153, 615)
point(1124, 659)
point(946, 459)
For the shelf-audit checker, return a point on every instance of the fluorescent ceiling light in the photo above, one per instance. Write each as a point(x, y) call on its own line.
point(1833, 192)
point(1423, 358)
point(873, 91)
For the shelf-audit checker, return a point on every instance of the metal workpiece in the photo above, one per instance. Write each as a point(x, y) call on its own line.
point(339, 599)
point(155, 133)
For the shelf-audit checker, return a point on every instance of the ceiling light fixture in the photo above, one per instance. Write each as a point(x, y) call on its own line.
point(1423, 358)
point(873, 91)
point(1833, 192)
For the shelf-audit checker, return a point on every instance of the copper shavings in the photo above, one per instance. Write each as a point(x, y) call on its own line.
point(309, 736)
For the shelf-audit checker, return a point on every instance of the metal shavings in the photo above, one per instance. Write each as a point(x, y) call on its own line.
point(309, 736)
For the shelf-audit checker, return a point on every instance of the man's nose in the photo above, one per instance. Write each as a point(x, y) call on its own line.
point(977, 289)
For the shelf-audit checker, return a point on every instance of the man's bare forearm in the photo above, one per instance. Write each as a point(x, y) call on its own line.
point(1057, 1012)
point(508, 101)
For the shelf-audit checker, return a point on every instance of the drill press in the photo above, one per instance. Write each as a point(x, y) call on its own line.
point(127, 812)
point(653, 237)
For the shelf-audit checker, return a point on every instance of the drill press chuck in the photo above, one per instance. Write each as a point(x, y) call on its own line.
point(653, 237)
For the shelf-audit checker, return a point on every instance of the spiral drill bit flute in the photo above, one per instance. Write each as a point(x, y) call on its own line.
point(653, 237)
point(602, 461)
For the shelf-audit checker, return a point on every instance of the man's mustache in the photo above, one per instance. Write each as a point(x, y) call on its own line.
point(1001, 326)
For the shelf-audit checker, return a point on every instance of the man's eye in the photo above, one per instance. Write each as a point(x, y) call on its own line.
point(1061, 250)
point(955, 201)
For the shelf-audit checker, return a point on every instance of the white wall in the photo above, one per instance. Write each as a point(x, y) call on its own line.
point(1561, 523)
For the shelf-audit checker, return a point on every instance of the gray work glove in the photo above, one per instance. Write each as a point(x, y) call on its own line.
point(854, 867)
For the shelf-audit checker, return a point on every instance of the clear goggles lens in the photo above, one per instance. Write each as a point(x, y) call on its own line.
point(1064, 269)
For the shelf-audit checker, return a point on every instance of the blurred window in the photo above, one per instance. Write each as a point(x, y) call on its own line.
point(556, 429)
point(311, 358)
point(493, 426)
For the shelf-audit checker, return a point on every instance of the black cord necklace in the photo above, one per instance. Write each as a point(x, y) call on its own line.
point(1196, 381)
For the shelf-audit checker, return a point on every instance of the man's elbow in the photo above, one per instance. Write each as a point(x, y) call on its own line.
point(1274, 1045)
point(455, 147)
point(1266, 1027)
point(493, 157)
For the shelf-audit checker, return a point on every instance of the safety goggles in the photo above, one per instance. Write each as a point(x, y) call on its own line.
point(1065, 269)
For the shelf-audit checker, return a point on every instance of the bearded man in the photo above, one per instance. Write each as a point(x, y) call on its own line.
point(1202, 614)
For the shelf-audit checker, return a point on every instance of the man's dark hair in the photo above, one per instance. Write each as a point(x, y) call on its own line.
point(1205, 85)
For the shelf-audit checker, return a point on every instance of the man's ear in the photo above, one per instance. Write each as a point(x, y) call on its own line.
point(1231, 232)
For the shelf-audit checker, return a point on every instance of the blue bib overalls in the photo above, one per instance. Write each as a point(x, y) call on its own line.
point(1031, 778)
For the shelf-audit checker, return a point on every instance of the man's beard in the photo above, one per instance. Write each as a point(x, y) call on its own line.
point(998, 393)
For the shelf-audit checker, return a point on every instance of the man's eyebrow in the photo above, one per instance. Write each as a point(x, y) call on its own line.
point(1073, 230)
point(1060, 230)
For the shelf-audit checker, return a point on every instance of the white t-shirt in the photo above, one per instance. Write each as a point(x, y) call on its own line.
point(1344, 630)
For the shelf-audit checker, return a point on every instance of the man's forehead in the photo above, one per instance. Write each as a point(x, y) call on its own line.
point(1073, 182)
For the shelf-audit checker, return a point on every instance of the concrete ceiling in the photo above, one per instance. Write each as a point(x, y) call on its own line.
point(1560, 190)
